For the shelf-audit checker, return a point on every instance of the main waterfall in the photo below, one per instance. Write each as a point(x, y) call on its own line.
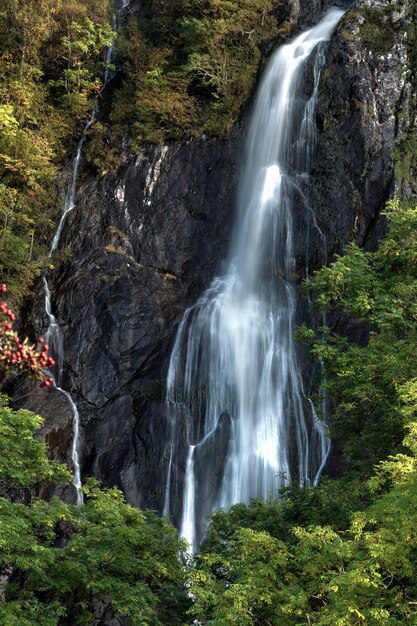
point(234, 374)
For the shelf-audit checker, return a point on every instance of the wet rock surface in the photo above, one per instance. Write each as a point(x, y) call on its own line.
point(142, 245)
point(139, 248)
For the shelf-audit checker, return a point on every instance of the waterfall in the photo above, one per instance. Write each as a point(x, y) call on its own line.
point(234, 371)
point(53, 336)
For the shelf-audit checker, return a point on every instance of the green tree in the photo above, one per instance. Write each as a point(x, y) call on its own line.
point(375, 290)
point(82, 50)
point(60, 564)
point(364, 575)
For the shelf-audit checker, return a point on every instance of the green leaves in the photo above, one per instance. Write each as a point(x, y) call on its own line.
point(366, 380)
point(363, 576)
point(348, 282)
point(104, 559)
point(83, 47)
point(23, 459)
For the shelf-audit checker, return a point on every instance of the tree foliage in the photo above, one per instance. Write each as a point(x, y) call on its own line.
point(368, 381)
point(60, 564)
point(364, 575)
point(190, 66)
point(51, 64)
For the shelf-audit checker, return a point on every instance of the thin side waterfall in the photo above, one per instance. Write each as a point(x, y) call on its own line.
point(108, 65)
point(53, 336)
point(234, 372)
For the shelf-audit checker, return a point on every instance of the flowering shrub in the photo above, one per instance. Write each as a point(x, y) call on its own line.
point(15, 353)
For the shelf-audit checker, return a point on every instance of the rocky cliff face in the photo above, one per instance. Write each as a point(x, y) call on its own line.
point(143, 244)
point(365, 118)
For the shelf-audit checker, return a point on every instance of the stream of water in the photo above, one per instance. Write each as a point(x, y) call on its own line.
point(234, 366)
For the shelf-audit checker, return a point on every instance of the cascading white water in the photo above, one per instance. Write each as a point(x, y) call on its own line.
point(53, 336)
point(234, 363)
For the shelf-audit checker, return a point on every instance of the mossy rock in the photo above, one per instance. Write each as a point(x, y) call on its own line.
point(377, 30)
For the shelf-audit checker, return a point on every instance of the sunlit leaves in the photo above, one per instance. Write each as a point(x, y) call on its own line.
point(363, 576)
point(82, 48)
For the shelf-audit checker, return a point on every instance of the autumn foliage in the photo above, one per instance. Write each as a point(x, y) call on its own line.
point(21, 354)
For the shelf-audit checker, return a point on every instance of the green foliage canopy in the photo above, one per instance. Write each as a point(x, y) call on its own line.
point(369, 381)
point(60, 564)
point(365, 575)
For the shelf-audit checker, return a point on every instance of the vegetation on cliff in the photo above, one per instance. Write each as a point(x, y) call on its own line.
point(51, 67)
point(189, 66)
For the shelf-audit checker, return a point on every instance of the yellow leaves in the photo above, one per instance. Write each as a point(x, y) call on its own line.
point(317, 536)
point(362, 576)
point(8, 122)
point(382, 615)
point(31, 161)
point(396, 469)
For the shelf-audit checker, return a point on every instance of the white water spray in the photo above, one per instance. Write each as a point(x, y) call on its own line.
point(235, 353)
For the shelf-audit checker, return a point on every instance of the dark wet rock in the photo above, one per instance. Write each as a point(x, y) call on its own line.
point(140, 247)
point(363, 114)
